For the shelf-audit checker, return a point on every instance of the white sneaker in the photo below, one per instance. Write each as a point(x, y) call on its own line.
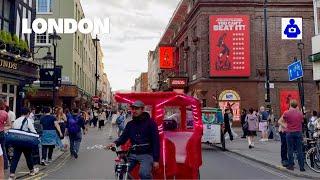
point(34, 171)
point(261, 140)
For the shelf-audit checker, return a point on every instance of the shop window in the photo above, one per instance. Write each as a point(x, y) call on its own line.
point(11, 89)
point(6, 26)
point(11, 103)
point(4, 88)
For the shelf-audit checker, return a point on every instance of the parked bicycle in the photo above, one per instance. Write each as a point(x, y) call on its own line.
point(313, 155)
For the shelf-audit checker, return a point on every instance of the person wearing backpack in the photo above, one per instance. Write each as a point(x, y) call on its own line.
point(120, 121)
point(25, 124)
point(74, 125)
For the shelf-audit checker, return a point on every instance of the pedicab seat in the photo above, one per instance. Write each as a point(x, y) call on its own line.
point(180, 140)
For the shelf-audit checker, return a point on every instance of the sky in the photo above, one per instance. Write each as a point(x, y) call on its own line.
point(136, 27)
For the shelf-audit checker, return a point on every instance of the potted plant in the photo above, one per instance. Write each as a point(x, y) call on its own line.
point(16, 45)
point(9, 42)
point(31, 91)
point(24, 50)
point(2, 40)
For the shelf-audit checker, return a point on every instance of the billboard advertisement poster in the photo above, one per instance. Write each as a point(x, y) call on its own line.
point(166, 58)
point(285, 97)
point(229, 46)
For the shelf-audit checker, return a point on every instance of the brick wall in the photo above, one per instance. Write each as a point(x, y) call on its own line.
point(281, 52)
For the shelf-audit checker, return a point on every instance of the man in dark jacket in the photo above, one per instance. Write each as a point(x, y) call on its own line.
point(227, 127)
point(143, 133)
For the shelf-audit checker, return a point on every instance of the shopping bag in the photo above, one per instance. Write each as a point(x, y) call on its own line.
point(22, 139)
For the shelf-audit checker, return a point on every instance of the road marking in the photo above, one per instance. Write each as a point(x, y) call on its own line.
point(246, 161)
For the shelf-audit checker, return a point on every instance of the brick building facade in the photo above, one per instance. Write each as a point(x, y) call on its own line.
point(188, 31)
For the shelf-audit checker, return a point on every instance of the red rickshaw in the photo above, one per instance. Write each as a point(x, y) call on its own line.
point(180, 146)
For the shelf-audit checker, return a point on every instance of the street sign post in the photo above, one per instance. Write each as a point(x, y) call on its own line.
point(295, 70)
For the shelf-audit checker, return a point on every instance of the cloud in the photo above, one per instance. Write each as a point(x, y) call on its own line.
point(135, 28)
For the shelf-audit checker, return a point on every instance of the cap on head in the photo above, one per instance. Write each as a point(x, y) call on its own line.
point(138, 104)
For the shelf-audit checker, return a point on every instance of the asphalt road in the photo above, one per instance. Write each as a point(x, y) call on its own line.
point(98, 164)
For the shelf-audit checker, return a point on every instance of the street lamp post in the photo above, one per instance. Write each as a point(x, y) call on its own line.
point(266, 51)
point(96, 40)
point(300, 81)
point(54, 39)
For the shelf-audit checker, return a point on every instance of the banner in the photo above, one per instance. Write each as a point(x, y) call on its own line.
point(285, 97)
point(229, 46)
point(166, 58)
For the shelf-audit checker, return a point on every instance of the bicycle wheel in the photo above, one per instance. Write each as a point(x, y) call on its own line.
point(313, 160)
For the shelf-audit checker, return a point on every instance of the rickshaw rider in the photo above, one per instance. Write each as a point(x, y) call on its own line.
point(142, 130)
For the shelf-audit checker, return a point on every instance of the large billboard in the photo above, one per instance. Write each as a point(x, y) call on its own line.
point(285, 97)
point(229, 46)
point(166, 58)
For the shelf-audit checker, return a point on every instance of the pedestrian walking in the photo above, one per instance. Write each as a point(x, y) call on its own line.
point(283, 139)
point(142, 131)
point(272, 131)
point(26, 151)
point(263, 123)
point(5, 124)
point(121, 121)
point(113, 123)
point(74, 125)
point(62, 120)
point(11, 114)
point(243, 122)
point(252, 124)
point(293, 120)
point(101, 118)
point(86, 118)
point(95, 117)
point(1, 164)
point(50, 137)
point(312, 124)
point(227, 127)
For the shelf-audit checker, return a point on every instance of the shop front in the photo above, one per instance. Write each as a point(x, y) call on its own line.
point(14, 75)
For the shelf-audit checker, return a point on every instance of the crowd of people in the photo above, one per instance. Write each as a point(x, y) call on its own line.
point(53, 126)
point(293, 125)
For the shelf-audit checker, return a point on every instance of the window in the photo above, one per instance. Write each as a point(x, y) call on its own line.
point(4, 88)
point(6, 9)
point(44, 6)
point(11, 90)
point(42, 38)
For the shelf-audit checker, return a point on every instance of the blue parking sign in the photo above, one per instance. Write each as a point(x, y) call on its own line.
point(295, 70)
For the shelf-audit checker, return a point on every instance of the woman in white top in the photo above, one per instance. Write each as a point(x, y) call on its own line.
point(102, 117)
point(26, 151)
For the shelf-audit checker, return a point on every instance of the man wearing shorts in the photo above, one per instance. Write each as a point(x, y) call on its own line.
point(263, 123)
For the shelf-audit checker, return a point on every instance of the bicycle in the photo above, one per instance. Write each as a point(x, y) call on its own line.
point(122, 164)
point(313, 155)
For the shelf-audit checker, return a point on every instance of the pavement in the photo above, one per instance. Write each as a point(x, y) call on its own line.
point(22, 169)
point(266, 153)
point(239, 162)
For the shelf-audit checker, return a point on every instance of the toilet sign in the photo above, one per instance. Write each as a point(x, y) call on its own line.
point(291, 28)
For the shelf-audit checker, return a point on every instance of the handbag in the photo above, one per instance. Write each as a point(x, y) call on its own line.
point(22, 139)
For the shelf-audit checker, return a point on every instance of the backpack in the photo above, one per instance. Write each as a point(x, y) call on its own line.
point(264, 116)
point(120, 119)
point(73, 126)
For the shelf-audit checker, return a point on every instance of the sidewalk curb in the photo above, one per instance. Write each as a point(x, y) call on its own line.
point(273, 166)
point(41, 168)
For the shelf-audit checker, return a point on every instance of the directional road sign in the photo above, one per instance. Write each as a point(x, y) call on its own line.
point(295, 70)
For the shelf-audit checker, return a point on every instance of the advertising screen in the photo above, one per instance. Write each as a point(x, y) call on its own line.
point(285, 97)
point(166, 58)
point(229, 46)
